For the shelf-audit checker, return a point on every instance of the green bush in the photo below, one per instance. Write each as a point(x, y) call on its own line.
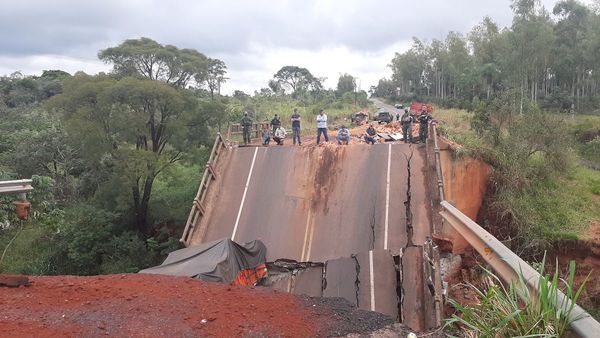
point(516, 311)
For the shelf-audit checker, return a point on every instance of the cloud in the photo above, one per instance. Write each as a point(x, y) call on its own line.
point(254, 38)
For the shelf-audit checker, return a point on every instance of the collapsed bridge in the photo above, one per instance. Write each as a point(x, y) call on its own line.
point(362, 211)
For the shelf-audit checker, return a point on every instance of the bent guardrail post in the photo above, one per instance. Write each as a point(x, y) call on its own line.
point(508, 265)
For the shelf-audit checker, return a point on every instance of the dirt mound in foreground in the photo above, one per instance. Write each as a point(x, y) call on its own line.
point(133, 305)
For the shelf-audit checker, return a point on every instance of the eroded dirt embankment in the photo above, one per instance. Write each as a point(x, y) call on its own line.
point(465, 186)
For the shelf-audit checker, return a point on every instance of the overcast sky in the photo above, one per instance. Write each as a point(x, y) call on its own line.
point(255, 38)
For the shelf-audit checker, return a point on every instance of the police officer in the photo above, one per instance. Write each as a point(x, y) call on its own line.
point(275, 123)
point(424, 119)
point(246, 126)
point(407, 121)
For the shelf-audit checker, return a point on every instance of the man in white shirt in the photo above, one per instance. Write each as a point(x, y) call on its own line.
point(322, 126)
point(279, 135)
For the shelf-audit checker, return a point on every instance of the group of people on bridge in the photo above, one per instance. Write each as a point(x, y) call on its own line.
point(275, 130)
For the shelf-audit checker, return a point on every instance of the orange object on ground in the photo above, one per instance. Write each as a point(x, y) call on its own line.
point(250, 277)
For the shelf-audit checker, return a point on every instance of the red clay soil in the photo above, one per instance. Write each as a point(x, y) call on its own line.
point(150, 306)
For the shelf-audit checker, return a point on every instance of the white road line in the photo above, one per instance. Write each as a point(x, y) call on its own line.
point(310, 239)
point(387, 198)
point(237, 220)
point(372, 280)
point(305, 236)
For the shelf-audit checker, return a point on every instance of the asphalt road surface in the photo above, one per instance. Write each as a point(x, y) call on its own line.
point(329, 203)
point(320, 203)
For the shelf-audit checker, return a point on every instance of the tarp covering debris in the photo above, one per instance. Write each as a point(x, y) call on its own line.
point(218, 261)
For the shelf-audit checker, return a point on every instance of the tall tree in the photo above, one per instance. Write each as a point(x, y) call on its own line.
point(137, 125)
point(297, 79)
point(147, 58)
point(215, 76)
point(346, 84)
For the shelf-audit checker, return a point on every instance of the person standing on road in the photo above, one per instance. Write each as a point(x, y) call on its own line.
point(322, 126)
point(279, 135)
point(343, 136)
point(296, 126)
point(424, 119)
point(370, 134)
point(246, 124)
point(407, 121)
point(275, 123)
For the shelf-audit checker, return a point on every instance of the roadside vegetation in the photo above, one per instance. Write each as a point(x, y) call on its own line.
point(525, 99)
point(116, 158)
point(540, 130)
point(516, 311)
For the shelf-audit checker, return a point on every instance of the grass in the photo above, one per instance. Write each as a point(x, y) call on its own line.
point(560, 208)
point(20, 258)
point(556, 208)
point(515, 311)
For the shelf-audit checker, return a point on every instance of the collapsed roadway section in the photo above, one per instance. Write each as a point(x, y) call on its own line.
point(361, 214)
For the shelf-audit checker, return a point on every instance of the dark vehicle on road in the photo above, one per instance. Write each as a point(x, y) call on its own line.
point(383, 116)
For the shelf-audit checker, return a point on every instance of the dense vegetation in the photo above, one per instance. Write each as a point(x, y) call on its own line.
point(550, 61)
point(115, 158)
point(526, 89)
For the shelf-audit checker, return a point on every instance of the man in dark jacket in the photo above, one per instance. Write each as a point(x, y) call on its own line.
point(246, 124)
point(370, 135)
point(424, 119)
point(275, 123)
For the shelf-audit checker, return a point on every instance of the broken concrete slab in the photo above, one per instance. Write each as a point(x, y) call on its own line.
point(341, 279)
point(412, 288)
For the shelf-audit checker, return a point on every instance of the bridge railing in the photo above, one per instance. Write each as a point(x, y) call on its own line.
point(235, 129)
point(503, 261)
point(198, 209)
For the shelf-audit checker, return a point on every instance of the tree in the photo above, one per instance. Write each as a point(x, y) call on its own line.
point(147, 58)
point(297, 79)
point(215, 76)
point(135, 127)
point(346, 83)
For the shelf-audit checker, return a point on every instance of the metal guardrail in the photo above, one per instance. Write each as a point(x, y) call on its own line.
point(209, 175)
point(503, 261)
point(438, 164)
point(20, 187)
point(508, 266)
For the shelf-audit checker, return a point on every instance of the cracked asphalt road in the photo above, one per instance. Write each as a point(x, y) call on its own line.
point(329, 202)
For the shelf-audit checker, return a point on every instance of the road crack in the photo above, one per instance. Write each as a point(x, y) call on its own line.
point(407, 203)
point(357, 280)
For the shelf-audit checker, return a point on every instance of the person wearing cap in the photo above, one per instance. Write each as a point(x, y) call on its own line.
point(343, 135)
point(407, 121)
point(275, 123)
point(246, 124)
point(424, 119)
point(322, 126)
point(370, 134)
